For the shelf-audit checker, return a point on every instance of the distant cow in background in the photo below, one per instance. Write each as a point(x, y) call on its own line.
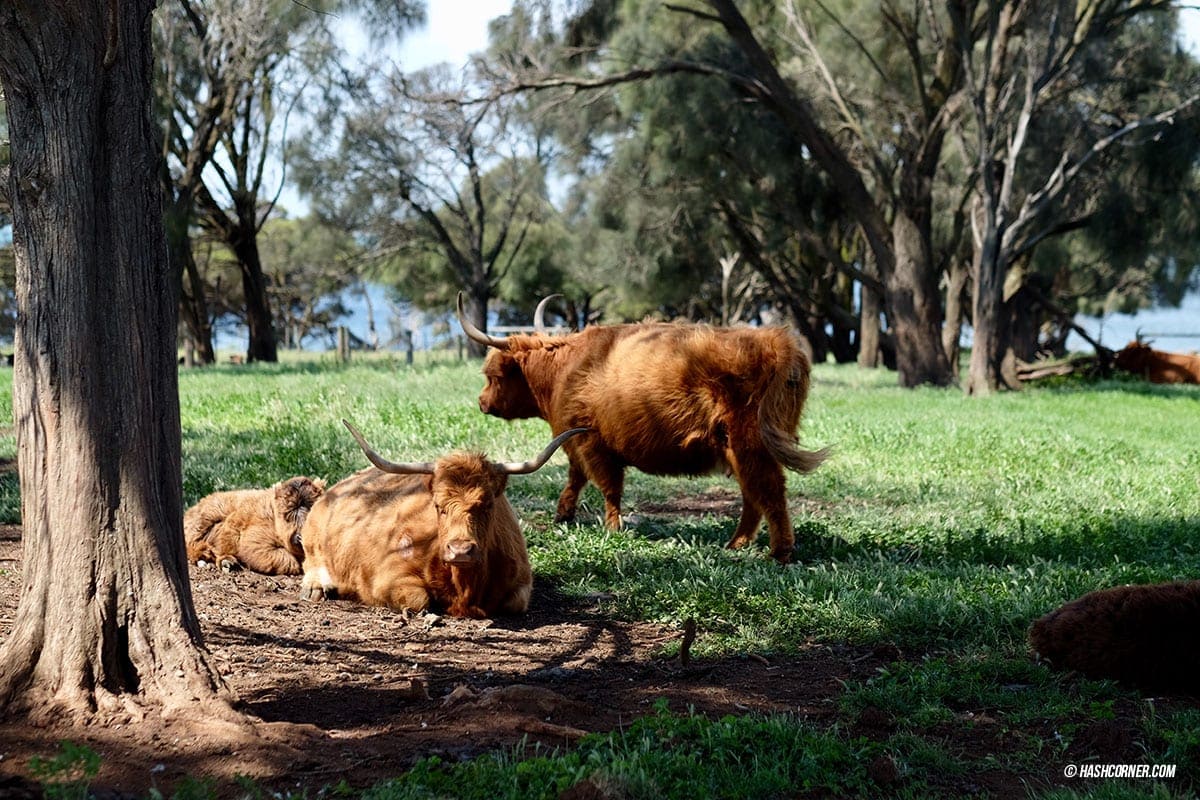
point(1144, 635)
point(258, 529)
point(668, 399)
point(1157, 366)
point(415, 535)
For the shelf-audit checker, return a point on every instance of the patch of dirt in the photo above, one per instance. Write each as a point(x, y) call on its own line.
point(359, 694)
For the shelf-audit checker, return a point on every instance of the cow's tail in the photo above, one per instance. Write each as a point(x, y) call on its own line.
point(779, 414)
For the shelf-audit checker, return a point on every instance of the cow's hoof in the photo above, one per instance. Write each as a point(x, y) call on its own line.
point(229, 565)
point(312, 593)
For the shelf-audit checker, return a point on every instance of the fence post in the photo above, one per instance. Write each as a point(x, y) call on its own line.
point(343, 345)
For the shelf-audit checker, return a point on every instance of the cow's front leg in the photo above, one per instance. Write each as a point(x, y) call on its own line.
point(409, 593)
point(568, 501)
point(609, 477)
point(516, 601)
point(317, 584)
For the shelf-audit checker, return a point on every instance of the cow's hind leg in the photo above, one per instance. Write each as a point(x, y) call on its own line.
point(763, 484)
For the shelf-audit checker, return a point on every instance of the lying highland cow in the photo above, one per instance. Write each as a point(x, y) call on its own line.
point(1158, 366)
point(416, 535)
point(258, 529)
point(1146, 636)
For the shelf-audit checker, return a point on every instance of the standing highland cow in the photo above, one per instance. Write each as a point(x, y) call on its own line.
point(668, 399)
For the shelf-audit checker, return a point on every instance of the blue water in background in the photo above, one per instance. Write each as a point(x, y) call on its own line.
point(1173, 329)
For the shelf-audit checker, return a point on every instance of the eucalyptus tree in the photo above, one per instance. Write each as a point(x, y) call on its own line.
point(1065, 100)
point(442, 191)
point(231, 73)
point(879, 141)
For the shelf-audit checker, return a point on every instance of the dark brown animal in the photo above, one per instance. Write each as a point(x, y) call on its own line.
point(258, 529)
point(668, 399)
point(1158, 366)
point(416, 535)
point(1146, 636)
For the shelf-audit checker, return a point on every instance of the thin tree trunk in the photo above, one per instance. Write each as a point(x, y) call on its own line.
point(193, 303)
point(262, 345)
point(989, 341)
point(870, 307)
point(956, 287)
point(105, 622)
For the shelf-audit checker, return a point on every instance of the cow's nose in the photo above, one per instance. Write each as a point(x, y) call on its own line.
point(461, 550)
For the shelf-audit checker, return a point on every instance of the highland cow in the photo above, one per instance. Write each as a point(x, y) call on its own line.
point(425, 534)
point(1143, 635)
point(665, 398)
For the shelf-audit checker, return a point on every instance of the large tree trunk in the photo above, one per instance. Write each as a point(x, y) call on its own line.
point(902, 253)
point(105, 622)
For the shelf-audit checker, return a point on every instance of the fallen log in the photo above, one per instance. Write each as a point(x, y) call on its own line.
point(1047, 369)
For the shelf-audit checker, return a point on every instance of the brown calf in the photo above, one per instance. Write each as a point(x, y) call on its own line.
point(258, 529)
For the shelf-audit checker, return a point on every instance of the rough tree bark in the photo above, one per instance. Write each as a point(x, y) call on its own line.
point(105, 625)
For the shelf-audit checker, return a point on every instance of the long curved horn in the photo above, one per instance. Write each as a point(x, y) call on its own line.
point(519, 468)
point(539, 314)
point(396, 468)
point(475, 334)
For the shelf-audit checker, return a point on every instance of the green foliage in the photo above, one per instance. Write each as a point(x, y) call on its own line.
point(664, 755)
point(66, 776)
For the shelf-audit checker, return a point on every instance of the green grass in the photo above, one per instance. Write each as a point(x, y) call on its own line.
point(941, 524)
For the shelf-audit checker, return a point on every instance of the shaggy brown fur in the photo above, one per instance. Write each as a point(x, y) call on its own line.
point(668, 399)
point(1158, 366)
point(1146, 636)
point(258, 529)
point(449, 540)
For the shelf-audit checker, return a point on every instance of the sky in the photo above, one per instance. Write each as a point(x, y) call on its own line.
point(455, 29)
